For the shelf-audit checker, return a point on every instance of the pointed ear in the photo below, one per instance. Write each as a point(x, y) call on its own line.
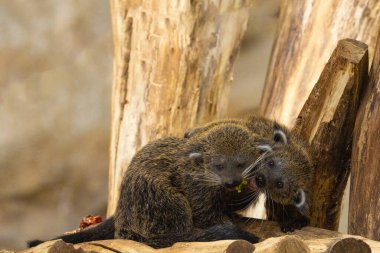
point(190, 132)
point(197, 157)
point(279, 135)
point(264, 147)
point(194, 152)
point(301, 201)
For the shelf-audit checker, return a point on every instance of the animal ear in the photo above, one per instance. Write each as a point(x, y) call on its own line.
point(264, 147)
point(196, 156)
point(279, 134)
point(189, 133)
point(301, 201)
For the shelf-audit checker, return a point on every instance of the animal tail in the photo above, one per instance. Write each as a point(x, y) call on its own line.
point(214, 233)
point(102, 231)
point(224, 232)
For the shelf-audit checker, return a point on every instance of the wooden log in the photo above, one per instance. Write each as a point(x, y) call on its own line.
point(316, 239)
point(284, 244)
point(308, 33)
point(173, 64)
point(327, 121)
point(364, 208)
point(309, 239)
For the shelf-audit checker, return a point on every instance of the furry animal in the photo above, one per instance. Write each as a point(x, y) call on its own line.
point(284, 171)
point(182, 190)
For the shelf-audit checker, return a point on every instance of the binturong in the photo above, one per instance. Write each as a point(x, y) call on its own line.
point(183, 189)
point(283, 172)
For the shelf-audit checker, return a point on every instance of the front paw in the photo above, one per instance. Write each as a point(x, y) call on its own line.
point(249, 237)
point(290, 226)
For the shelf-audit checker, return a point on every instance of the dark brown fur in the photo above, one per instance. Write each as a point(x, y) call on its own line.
point(178, 188)
point(182, 190)
point(286, 168)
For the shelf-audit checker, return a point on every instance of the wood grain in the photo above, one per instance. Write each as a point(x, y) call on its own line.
point(173, 63)
point(364, 208)
point(309, 30)
point(309, 239)
point(327, 121)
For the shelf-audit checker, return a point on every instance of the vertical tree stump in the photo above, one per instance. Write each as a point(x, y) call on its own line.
point(327, 121)
point(308, 33)
point(364, 209)
point(173, 65)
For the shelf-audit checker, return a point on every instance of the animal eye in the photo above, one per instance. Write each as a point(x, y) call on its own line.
point(297, 199)
point(271, 163)
point(279, 184)
point(240, 165)
point(219, 167)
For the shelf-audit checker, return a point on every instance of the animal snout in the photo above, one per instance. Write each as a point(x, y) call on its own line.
point(260, 181)
point(232, 183)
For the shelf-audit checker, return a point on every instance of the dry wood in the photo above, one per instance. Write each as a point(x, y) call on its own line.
point(199, 247)
point(308, 33)
point(309, 239)
point(173, 65)
point(316, 239)
point(327, 121)
point(284, 244)
point(364, 209)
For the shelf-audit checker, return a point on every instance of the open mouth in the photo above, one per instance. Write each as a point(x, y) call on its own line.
point(252, 184)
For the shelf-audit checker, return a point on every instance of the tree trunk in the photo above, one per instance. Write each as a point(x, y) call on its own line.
point(309, 31)
point(327, 122)
point(172, 69)
point(364, 210)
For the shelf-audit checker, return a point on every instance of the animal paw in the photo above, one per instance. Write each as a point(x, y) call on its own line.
point(296, 224)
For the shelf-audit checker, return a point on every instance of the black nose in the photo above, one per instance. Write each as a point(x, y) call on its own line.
point(232, 183)
point(260, 181)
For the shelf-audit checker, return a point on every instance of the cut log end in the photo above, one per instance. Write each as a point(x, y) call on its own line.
point(291, 244)
point(349, 245)
point(240, 246)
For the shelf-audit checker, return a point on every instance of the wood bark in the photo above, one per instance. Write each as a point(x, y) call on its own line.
point(316, 239)
point(173, 65)
point(308, 33)
point(309, 239)
point(327, 121)
point(364, 209)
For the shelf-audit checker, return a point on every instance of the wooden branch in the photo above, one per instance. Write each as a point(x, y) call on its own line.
point(315, 239)
point(173, 65)
point(308, 33)
point(327, 121)
point(364, 209)
point(309, 239)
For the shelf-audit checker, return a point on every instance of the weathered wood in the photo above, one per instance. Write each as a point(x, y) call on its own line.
point(327, 121)
point(173, 65)
point(309, 239)
point(284, 244)
point(364, 209)
point(316, 239)
point(308, 33)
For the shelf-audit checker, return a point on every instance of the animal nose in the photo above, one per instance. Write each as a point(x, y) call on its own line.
point(260, 181)
point(232, 183)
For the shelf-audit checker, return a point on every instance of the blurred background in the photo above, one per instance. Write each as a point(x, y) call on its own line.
point(55, 98)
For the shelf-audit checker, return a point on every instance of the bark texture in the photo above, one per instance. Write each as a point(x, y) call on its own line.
point(308, 33)
point(327, 122)
point(309, 239)
point(364, 209)
point(173, 65)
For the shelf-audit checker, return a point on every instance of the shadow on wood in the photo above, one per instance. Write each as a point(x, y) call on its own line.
point(327, 121)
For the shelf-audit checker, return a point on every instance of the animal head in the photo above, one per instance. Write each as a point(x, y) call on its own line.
point(226, 152)
point(285, 171)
